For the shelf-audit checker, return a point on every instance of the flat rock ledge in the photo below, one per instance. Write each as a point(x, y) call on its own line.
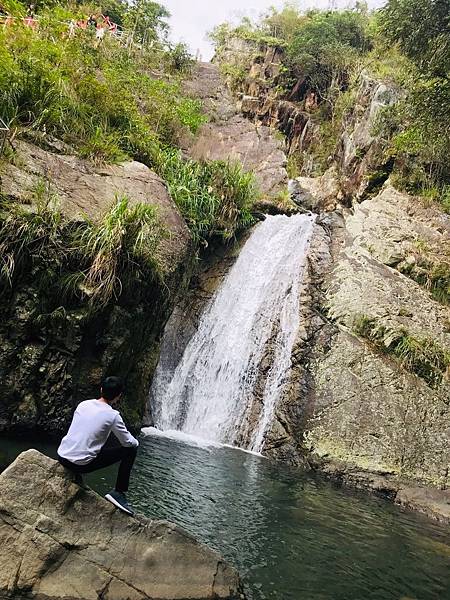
point(434, 503)
point(59, 541)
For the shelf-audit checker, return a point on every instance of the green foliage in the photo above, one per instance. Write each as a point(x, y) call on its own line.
point(116, 10)
point(329, 121)
point(421, 28)
point(319, 46)
point(94, 262)
point(101, 100)
point(421, 356)
point(325, 46)
point(234, 74)
point(406, 44)
point(180, 59)
point(29, 237)
point(246, 30)
point(214, 197)
point(421, 141)
point(147, 20)
point(431, 270)
point(121, 250)
point(284, 24)
point(419, 125)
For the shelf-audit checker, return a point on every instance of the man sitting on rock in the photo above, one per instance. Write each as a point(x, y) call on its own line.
point(82, 449)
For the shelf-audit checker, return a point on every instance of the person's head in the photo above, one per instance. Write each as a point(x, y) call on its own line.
point(112, 388)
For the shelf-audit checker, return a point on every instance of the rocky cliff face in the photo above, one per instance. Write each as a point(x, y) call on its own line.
point(370, 406)
point(48, 364)
point(257, 95)
point(368, 400)
point(230, 136)
point(58, 541)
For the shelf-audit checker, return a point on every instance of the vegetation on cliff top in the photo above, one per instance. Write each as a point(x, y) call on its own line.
point(107, 100)
point(324, 53)
point(116, 99)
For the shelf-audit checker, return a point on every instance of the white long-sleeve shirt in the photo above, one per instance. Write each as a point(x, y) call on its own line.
point(91, 425)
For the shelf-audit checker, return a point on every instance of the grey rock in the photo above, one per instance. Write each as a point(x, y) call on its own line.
point(366, 409)
point(59, 541)
point(231, 137)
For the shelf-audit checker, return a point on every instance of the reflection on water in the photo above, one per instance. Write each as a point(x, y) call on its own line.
point(292, 537)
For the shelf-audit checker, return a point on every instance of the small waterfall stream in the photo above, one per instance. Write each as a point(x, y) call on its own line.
point(225, 383)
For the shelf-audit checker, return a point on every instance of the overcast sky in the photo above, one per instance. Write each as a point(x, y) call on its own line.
point(192, 19)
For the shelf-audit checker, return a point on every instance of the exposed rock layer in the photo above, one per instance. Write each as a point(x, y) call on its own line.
point(49, 364)
point(231, 137)
point(59, 541)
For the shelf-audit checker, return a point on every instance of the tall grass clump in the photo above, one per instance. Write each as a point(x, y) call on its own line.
point(422, 356)
point(215, 198)
point(29, 237)
point(120, 251)
point(81, 261)
point(430, 269)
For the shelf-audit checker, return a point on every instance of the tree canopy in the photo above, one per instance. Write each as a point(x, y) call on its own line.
point(421, 28)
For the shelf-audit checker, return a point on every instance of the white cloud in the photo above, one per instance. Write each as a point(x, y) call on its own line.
point(193, 19)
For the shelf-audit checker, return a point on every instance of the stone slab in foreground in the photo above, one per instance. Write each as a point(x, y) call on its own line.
point(58, 541)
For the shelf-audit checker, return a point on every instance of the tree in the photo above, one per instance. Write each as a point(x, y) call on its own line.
point(115, 10)
point(147, 20)
point(284, 23)
point(421, 28)
point(325, 45)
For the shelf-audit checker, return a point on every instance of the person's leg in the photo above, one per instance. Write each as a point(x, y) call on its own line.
point(110, 456)
point(125, 467)
point(73, 468)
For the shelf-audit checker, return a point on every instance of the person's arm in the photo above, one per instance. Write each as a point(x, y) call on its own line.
point(122, 434)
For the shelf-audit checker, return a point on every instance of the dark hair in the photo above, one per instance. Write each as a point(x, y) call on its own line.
point(112, 387)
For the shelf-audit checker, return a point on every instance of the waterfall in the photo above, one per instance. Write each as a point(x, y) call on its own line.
point(237, 364)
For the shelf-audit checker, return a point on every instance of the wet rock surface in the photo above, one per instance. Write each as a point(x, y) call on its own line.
point(58, 541)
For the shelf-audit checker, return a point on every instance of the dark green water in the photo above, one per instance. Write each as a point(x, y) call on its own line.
point(291, 536)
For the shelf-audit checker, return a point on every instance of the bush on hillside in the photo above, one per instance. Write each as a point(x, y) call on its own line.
point(102, 100)
point(214, 197)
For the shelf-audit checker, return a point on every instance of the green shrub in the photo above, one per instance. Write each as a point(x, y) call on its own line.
point(29, 238)
point(432, 272)
point(214, 197)
point(420, 123)
point(421, 356)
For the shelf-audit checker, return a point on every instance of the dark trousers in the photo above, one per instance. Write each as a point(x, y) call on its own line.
point(105, 458)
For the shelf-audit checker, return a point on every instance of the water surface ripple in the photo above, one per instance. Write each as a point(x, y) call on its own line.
point(291, 536)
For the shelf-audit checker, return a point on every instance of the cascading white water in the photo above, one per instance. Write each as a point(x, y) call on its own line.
point(255, 308)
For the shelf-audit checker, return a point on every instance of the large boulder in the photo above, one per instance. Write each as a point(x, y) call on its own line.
point(82, 188)
point(59, 541)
